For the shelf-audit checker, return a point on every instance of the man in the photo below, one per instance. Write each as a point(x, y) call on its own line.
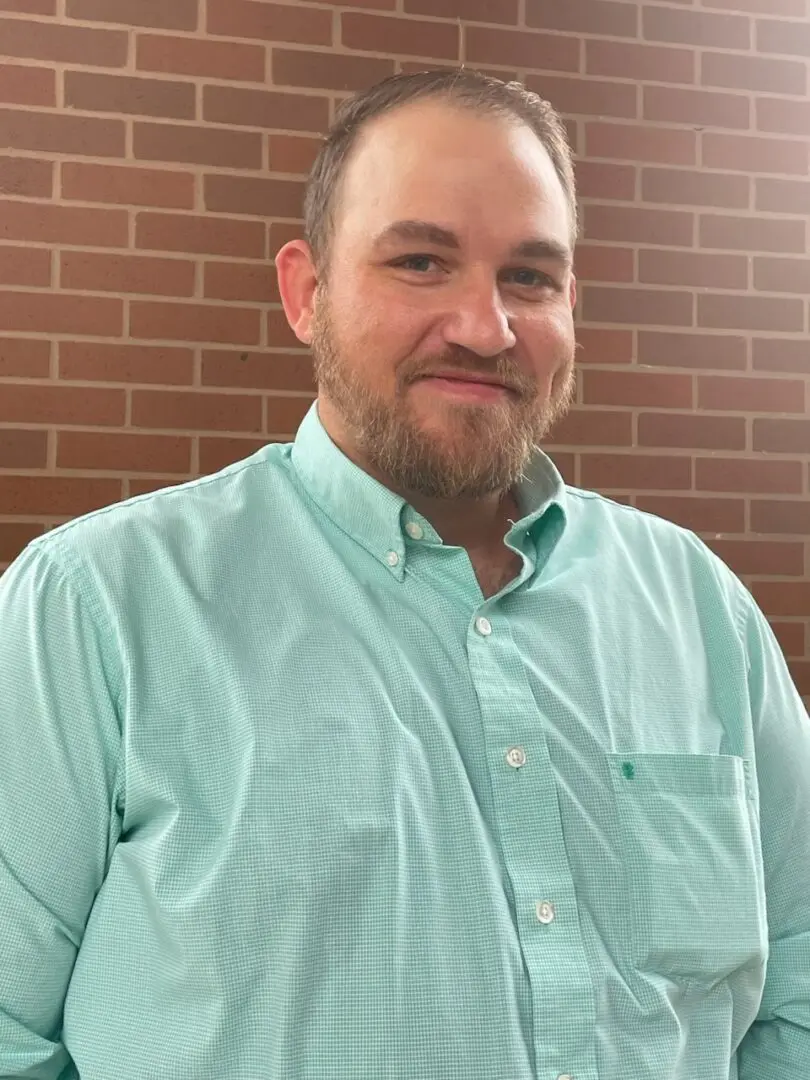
point(384, 754)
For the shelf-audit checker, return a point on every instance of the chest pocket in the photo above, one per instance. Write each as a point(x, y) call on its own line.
point(693, 872)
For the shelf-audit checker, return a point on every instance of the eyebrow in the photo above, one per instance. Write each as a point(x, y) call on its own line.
point(430, 233)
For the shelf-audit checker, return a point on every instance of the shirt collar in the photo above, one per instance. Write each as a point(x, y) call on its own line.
point(376, 517)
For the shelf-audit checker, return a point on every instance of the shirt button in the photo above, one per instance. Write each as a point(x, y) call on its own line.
point(565, 1076)
point(392, 558)
point(545, 912)
point(516, 756)
point(483, 626)
point(416, 532)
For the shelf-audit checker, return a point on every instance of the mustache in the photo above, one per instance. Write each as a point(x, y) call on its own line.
point(503, 367)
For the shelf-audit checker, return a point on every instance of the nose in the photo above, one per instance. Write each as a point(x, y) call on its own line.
point(479, 321)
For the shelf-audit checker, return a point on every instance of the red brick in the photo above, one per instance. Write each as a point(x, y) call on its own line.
point(64, 44)
point(21, 85)
point(783, 37)
point(219, 147)
point(29, 7)
point(604, 263)
point(24, 357)
point(193, 56)
point(751, 153)
point(195, 322)
point(327, 70)
point(265, 109)
point(23, 449)
point(650, 307)
point(127, 273)
point(63, 405)
point(59, 313)
point(26, 177)
point(783, 196)
point(521, 48)
point(124, 94)
point(293, 153)
point(584, 17)
point(711, 108)
point(693, 268)
point(761, 557)
point(487, 11)
point(751, 233)
point(781, 354)
point(643, 63)
point(25, 266)
point(791, 636)
point(748, 475)
point(584, 427)
point(47, 223)
point(600, 346)
point(706, 352)
point(216, 454)
point(254, 196)
point(415, 67)
point(602, 180)
point(587, 97)
point(800, 673)
point(765, 7)
point(780, 517)
point(691, 431)
point(87, 361)
point(15, 535)
point(723, 311)
point(203, 235)
point(196, 411)
point(751, 395)
point(127, 185)
point(376, 5)
point(634, 142)
point(782, 275)
point(635, 472)
point(56, 496)
point(130, 453)
point(785, 117)
point(753, 72)
point(254, 282)
point(258, 370)
point(696, 28)
point(410, 37)
point(782, 436)
point(637, 388)
point(281, 233)
point(284, 415)
point(279, 333)
point(693, 188)
point(269, 22)
point(60, 133)
point(635, 224)
point(707, 515)
point(140, 486)
point(176, 15)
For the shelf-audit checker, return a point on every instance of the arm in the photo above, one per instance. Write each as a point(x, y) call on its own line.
point(777, 1046)
point(59, 740)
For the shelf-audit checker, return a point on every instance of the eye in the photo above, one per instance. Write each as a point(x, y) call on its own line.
point(530, 279)
point(421, 264)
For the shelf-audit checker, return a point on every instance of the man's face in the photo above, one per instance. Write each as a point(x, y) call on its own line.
point(451, 255)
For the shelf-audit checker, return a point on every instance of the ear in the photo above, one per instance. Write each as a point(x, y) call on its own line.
point(572, 292)
point(297, 281)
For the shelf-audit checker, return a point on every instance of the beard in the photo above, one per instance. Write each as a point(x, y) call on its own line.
point(478, 449)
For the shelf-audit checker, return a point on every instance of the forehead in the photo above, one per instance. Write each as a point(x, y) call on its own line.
point(485, 178)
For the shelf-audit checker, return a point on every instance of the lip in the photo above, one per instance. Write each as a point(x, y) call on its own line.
point(466, 387)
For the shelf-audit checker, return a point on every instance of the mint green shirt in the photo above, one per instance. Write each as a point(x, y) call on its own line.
point(283, 797)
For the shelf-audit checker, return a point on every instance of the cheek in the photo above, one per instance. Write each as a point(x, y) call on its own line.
point(549, 337)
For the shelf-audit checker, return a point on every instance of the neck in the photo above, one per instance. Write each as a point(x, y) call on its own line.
point(475, 524)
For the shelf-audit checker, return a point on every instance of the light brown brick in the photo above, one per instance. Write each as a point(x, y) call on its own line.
point(26, 177)
point(254, 196)
point(25, 266)
point(637, 388)
point(762, 557)
point(281, 233)
point(693, 268)
point(188, 410)
point(48, 223)
point(753, 72)
point(151, 320)
point(650, 307)
point(723, 311)
point(687, 187)
point(734, 394)
point(89, 361)
point(791, 636)
point(60, 133)
point(606, 262)
point(29, 7)
point(784, 117)
point(520, 48)
point(16, 535)
point(587, 97)
point(748, 475)
point(603, 180)
point(781, 354)
point(780, 517)
point(23, 449)
point(269, 22)
point(60, 313)
point(699, 28)
point(196, 56)
point(123, 94)
point(22, 85)
point(327, 70)
point(782, 275)
point(127, 274)
point(707, 515)
point(26, 357)
point(258, 370)
point(709, 108)
point(751, 234)
point(764, 7)
point(293, 153)
point(635, 472)
point(639, 225)
point(284, 415)
point(704, 352)
point(643, 63)
point(584, 17)
point(56, 496)
point(487, 11)
point(253, 282)
point(171, 15)
point(109, 452)
point(752, 153)
point(200, 234)
point(783, 196)
point(63, 44)
point(782, 436)
point(783, 37)
point(217, 453)
point(219, 147)
point(63, 405)
point(279, 333)
point(638, 143)
point(691, 432)
point(601, 346)
point(265, 109)
point(127, 185)
point(583, 427)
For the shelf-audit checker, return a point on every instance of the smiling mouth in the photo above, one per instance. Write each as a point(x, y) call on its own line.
point(466, 388)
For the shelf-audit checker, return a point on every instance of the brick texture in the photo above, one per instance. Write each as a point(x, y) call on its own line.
point(152, 159)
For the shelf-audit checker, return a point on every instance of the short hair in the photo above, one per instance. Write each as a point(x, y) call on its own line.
point(464, 88)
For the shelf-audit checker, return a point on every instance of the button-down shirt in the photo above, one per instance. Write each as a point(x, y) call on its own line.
point(283, 796)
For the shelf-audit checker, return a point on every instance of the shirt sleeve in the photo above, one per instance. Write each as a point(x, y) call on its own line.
point(777, 1046)
point(59, 748)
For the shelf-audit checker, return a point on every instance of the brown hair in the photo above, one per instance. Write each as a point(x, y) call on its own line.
point(467, 89)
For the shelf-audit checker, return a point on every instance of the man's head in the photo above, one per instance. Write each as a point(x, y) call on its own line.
point(440, 225)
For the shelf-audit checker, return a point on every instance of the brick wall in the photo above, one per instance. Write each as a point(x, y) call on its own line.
point(152, 155)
